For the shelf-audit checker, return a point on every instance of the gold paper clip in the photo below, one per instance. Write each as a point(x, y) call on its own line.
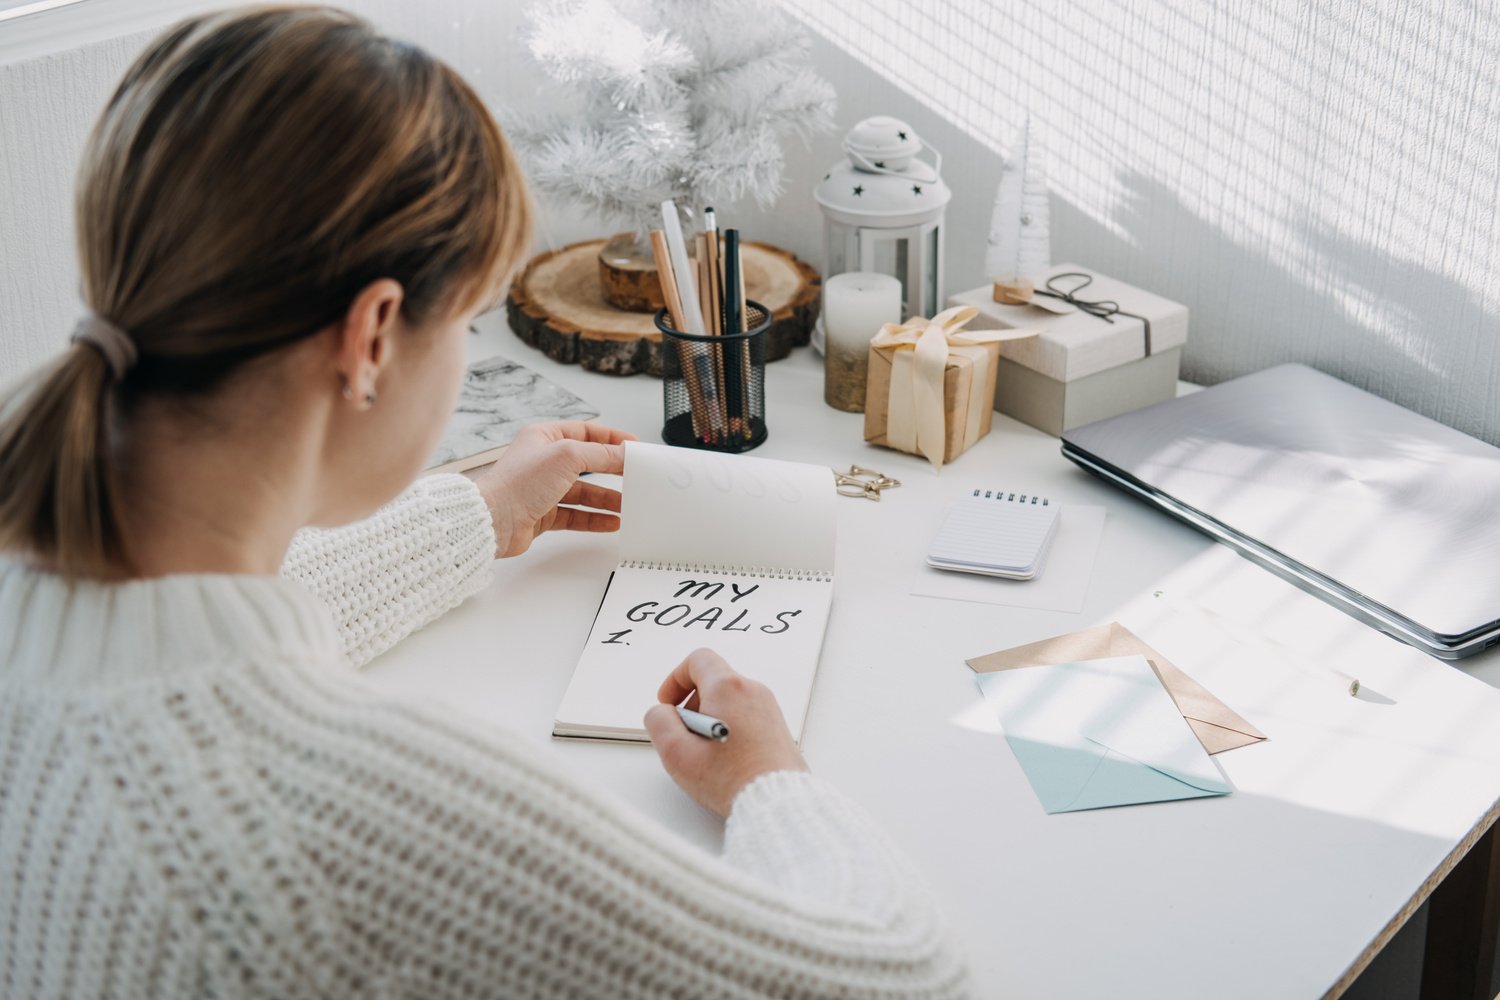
point(862, 482)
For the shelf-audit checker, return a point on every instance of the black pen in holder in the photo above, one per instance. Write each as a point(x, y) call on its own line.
point(714, 387)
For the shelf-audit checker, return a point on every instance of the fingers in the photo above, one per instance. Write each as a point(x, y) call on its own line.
point(680, 749)
point(664, 726)
point(703, 667)
point(582, 494)
point(578, 430)
point(574, 519)
point(590, 456)
point(607, 435)
point(713, 772)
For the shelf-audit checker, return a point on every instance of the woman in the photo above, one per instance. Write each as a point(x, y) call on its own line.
point(286, 224)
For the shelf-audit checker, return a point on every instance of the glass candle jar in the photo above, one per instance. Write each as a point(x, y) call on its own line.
point(856, 305)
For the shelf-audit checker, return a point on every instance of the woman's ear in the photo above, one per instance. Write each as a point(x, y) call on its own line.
point(365, 340)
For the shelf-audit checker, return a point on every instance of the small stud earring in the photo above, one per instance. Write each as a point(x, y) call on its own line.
point(369, 399)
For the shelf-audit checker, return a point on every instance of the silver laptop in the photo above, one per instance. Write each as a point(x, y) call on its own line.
point(1387, 515)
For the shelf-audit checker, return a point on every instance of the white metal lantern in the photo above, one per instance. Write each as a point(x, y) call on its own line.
point(883, 211)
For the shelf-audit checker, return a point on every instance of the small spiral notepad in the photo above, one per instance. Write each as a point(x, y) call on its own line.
point(995, 533)
point(731, 552)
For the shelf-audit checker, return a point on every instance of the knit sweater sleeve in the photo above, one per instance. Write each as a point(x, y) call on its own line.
point(482, 868)
point(409, 562)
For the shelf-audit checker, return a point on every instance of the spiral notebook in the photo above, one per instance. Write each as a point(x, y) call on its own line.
point(995, 533)
point(724, 551)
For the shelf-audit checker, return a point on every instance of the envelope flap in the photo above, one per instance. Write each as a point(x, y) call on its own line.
point(1217, 725)
point(1138, 723)
point(1199, 778)
point(1085, 644)
point(1217, 739)
point(1193, 699)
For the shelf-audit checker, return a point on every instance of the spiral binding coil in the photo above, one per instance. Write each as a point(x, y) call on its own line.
point(762, 572)
point(1033, 500)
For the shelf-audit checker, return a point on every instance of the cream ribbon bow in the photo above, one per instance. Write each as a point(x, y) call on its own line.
point(915, 422)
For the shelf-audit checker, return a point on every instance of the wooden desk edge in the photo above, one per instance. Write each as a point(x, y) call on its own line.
point(1481, 829)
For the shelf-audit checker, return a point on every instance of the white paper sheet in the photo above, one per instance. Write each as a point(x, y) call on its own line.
point(704, 508)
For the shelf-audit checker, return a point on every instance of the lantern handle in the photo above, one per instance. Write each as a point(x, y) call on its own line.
point(864, 163)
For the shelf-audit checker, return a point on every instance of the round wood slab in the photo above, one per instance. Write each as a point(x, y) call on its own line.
point(557, 305)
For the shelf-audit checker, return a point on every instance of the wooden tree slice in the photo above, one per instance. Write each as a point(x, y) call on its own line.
point(557, 305)
point(629, 282)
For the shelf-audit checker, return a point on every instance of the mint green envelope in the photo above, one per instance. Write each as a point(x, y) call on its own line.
point(1099, 733)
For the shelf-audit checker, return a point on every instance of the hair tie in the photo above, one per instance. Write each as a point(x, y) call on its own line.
point(113, 343)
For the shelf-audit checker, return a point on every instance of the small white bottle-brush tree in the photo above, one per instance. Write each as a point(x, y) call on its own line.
point(681, 99)
point(1020, 241)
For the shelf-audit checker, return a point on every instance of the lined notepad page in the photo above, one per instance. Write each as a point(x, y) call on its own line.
point(995, 532)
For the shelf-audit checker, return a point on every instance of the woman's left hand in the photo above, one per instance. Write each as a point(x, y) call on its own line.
point(534, 486)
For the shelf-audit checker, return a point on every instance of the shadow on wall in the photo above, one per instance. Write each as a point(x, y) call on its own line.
point(1364, 315)
point(1403, 316)
point(1315, 184)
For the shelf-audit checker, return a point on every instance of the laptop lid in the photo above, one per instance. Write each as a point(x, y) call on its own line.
point(1390, 516)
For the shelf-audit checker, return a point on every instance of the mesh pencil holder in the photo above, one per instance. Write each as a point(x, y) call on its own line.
point(714, 388)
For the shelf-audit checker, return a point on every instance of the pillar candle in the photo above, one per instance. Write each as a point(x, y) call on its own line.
point(856, 305)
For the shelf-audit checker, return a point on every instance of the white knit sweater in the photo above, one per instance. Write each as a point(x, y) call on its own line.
point(198, 799)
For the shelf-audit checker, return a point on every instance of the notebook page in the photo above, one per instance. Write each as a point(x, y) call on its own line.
point(998, 532)
point(681, 505)
point(767, 627)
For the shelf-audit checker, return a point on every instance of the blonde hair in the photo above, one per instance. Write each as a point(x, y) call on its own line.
point(253, 171)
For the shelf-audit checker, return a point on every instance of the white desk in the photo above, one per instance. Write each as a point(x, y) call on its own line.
point(1339, 826)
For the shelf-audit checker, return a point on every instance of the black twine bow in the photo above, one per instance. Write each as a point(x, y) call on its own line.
point(1105, 309)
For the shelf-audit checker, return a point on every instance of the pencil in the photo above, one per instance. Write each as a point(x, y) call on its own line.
point(700, 274)
point(698, 413)
point(692, 314)
point(718, 328)
point(715, 267)
point(716, 350)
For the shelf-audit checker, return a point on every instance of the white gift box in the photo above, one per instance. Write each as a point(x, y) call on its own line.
point(1083, 368)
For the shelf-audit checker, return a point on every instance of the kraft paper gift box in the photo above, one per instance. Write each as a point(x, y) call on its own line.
point(931, 384)
point(1081, 368)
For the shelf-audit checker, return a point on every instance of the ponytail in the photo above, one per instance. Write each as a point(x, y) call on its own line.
point(253, 172)
point(57, 497)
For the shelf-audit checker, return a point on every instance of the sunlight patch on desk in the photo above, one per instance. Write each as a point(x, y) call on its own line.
point(1093, 734)
point(977, 717)
point(1407, 758)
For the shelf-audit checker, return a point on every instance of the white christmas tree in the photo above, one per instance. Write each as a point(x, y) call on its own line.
point(682, 99)
point(1020, 242)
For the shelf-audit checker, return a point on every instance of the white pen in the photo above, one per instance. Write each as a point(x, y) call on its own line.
point(704, 725)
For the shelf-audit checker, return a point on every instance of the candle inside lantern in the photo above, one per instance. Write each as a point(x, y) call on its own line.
point(856, 305)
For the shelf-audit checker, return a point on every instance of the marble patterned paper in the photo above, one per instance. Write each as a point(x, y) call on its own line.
point(500, 397)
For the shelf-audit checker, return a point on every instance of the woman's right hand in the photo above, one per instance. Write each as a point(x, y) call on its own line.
point(759, 742)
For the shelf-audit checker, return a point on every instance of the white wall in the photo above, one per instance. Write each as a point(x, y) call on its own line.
point(56, 71)
point(1317, 181)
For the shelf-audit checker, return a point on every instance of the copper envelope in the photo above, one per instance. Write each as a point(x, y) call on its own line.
point(1217, 726)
